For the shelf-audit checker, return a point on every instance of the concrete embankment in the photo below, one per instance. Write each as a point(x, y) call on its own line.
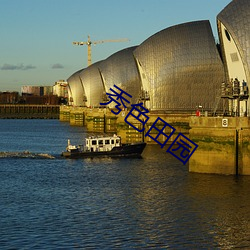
point(224, 145)
point(25, 111)
point(104, 121)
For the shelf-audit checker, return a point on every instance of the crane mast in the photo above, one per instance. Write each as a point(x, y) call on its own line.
point(89, 43)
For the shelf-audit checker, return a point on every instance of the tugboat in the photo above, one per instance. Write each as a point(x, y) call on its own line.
point(103, 146)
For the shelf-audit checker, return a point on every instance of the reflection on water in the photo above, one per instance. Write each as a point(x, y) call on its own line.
point(107, 203)
point(223, 200)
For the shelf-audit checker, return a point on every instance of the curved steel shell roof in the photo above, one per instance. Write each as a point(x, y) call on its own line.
point(236, 18)
point(181, 67)
point(120, 69)
point(93, 85)
point(76, 90)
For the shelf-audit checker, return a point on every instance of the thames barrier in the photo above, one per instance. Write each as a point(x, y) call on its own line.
point(224, 142)
point(199, 86)
point(181, 76)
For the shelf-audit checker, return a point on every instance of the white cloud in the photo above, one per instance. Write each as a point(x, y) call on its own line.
point(21, 66)
point(57, 66)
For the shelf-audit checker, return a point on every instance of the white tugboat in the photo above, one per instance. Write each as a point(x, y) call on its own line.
point(96, 146)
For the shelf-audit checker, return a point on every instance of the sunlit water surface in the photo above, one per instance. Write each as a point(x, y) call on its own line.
point(153, 202)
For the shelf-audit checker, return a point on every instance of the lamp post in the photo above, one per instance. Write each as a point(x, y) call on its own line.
point(200, 106)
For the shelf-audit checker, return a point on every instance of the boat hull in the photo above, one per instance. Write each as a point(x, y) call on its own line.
point(126, 150)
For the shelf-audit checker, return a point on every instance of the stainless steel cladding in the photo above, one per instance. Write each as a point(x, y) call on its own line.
point(120, 69)
point(180, 67)
point(234, 33)
point(76, 90)
point(236, 19)
point(93, 85)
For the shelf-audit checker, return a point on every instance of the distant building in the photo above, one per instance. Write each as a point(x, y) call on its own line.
point(9, 97)
point(47, 90)
point(38, 95)
point(60, 89)
point(30, 90)
point(37, 90)
point(40, 100)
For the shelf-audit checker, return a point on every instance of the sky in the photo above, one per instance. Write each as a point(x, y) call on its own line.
point(36, 35)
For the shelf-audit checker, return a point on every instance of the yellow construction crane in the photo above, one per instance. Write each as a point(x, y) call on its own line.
point(89, 43)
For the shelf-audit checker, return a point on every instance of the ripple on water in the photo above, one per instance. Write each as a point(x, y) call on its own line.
point(151, 202)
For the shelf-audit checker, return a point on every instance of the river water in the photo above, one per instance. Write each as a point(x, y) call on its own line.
point(150, 203)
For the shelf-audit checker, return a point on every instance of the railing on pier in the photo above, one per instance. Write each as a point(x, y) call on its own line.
point(25, 111)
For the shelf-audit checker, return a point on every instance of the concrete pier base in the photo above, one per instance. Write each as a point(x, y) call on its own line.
point(76, 118)
point(223, 145)
point(102, 120)
point(64, 113)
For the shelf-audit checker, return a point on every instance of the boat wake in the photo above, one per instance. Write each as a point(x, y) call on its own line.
point(26, 154)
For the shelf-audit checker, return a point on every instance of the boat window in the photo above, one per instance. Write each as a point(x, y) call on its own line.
point(107, 142)
point(93, 142)
point(117, 141)
point(100, 142)
point(112, 141)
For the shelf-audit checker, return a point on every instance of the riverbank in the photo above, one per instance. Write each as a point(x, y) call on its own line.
point(223, 142)
point(25, 111)
point(148, 203)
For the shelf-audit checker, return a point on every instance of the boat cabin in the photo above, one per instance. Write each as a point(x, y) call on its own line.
point(105, 143)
